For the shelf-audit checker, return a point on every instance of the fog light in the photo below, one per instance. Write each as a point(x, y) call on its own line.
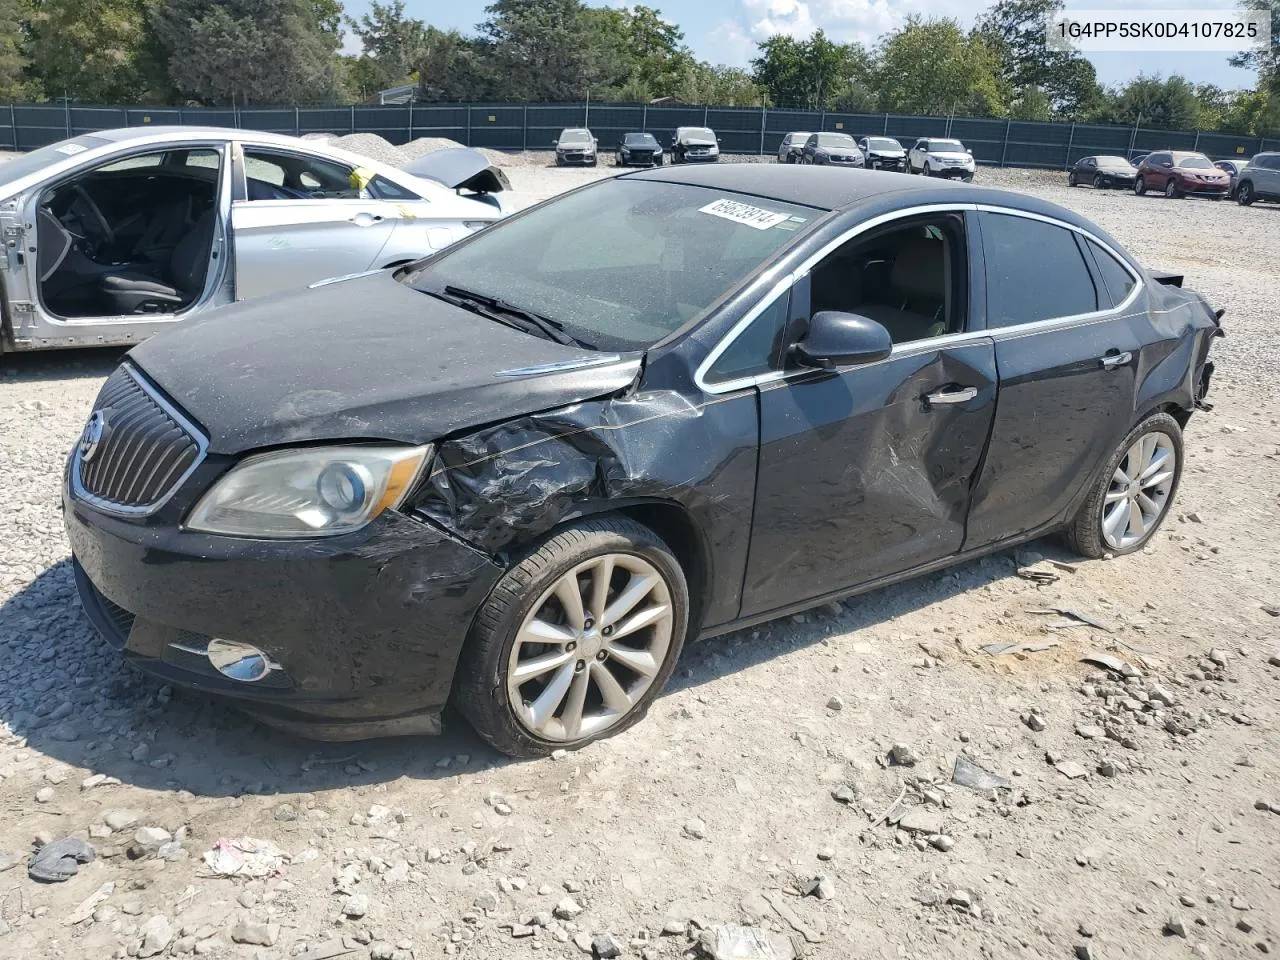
point(239, 661)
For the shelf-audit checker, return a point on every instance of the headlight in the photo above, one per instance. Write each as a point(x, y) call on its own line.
point(312, 492)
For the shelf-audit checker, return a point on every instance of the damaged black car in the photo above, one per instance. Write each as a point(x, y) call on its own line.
point(661, 407)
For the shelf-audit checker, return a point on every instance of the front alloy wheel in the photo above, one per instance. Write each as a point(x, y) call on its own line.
point(576, 640)
point(1140, 186)
point(1098, 182)
point(1133, 493)
point(1171, 191)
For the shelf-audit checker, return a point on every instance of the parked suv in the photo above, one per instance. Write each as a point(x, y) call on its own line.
point(695, 144)
point(575, 145)
point(792, 146)
point(883, 153)
point(832, 149)
point(939, 157)
point(1260, 180)
point(1181, 173)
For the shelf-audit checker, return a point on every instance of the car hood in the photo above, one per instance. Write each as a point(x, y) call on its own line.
point(364, 358)
point(887, 153)
point(952, 155)
point(460, 168)
point(697, 142)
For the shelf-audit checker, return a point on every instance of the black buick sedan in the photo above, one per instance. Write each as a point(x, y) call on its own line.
point(521, 474)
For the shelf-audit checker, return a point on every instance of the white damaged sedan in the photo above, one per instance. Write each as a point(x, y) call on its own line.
point(110, 237)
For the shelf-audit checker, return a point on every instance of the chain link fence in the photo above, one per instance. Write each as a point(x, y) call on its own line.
point(505, 126)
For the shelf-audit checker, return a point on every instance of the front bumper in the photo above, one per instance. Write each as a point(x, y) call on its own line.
point(882, 163)
point(1205, 189)
point(642, 159)
point(366, 628)
point(691, 157)
point(842, 162)
point(964, 172)
point(576, 159)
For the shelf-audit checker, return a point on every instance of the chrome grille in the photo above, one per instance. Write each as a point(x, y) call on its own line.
point(141, 450)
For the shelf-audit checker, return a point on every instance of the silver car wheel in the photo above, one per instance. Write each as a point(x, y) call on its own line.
point(1139, 492)
point(590, 647)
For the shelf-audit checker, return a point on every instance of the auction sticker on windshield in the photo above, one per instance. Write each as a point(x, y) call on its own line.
point(744, 214)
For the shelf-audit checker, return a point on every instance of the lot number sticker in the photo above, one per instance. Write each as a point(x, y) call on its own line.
point(744, 214)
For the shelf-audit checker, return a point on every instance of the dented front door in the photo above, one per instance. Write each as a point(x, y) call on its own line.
point(866, 472)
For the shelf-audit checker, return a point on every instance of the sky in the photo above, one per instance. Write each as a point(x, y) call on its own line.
point(726, 31)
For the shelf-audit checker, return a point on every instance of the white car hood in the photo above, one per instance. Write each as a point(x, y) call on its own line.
point(951, 155)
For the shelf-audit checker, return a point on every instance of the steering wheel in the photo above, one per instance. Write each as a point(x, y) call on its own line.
point(106, 234)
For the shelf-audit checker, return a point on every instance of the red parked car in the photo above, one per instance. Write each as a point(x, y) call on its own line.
point(1179, 174)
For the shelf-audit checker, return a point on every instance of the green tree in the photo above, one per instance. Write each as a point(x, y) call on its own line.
point(1265, 61)
point(393, 44)
point(934, 67)
point(454, 68)
point(541, 49)
point(15, 16)
point(719, 86)
point(1031, 103)
point(252, 51)
point(96, 50)
point(1016, 31)
point(639, 54)
point(1154, 102)
point(814, 73)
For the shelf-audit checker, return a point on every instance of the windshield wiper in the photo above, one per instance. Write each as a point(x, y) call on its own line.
point(551, 329)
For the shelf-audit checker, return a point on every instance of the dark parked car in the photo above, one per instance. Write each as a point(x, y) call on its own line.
point(1103, 172)
point(695, 144)
point(883, 153)
point(575, 145)
point(834, 149)
point(558, 453)
point(1259, 180)
point(792, 146)
point(1137, 158)
point(639, 150)
point(1181, 174)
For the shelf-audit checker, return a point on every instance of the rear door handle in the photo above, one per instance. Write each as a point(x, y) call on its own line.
point(961, 395)
point(1113, 360)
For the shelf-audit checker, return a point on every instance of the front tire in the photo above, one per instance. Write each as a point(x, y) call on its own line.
point(1132, 493)
point(1140, 187)
point(1171, 191)
point(1098, 182)
point(576, 640)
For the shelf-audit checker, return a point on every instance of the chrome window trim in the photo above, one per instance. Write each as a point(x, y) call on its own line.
point(915, 346)
point(107, 506)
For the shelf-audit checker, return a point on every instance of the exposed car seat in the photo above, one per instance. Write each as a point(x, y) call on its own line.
point(165, 228)
point(918, 292)
point(138, 291)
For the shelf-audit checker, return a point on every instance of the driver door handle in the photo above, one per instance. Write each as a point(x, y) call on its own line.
point(947, 395)
point(1113, 360)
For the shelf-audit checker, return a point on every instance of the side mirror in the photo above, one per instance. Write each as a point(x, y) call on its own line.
point(838, 339)
point(718, 140)
point(555, 143)
point(1166, 163)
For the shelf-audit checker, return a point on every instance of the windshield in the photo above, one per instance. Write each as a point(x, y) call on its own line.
point(639, 138)
point(835, 140)
point(945, 146)
point(575, 136)
point(698, 133)
point(1196, 163)
point(883, 143)
point(797, 137)
point(623, 263)
point(1113, 162)
point(37, 160)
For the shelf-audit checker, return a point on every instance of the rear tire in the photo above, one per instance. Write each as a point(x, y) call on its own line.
point(1245, 195)
point(481, 690)
point(1086, 535)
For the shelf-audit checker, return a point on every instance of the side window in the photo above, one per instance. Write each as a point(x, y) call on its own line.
point(1118, 280)
point(133, 163)
point(911, 278)
point(383, 189)
point(1035, 271)
point(757, 349)
point(272, 175)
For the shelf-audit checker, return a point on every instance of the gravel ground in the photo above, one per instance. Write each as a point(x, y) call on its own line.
point(1140, 821)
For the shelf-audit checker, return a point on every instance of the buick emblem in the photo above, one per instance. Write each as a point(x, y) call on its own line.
point(91, 439)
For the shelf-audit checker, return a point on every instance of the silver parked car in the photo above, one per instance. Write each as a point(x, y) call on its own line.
point(110, 237)
point(1259, 180)
point(791, 149)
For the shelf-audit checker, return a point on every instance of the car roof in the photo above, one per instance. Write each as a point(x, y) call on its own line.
point(844, 190)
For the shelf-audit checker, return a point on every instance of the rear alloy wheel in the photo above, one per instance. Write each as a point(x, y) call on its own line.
point(1171, 191)
point(1071, 180)
point(1244, 194)
point(1140, 186)
point(1133, 493)
point(576, 640)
